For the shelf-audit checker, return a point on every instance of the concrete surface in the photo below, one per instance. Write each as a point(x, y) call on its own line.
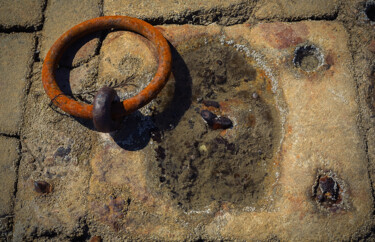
point(296, 78)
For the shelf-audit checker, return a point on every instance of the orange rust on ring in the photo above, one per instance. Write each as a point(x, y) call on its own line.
point(130, 105)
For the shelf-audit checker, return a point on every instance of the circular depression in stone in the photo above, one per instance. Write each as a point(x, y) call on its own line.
point(308, 58)
point(197, 166)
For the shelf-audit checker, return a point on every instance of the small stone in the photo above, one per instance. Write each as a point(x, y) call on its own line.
point(202, 149)
point(42, 187)
point(255, 95)
point(96, 239)
point(209, 103)
point(221, 123)
point(208, 116)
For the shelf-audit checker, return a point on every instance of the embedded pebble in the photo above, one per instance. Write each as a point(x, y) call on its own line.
point(42, 187)
point(222, 123)
point(209, 103)
point(208, 116)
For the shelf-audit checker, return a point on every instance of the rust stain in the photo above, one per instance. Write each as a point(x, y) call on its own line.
point(282, 35)
point(251, 120)
point(330, 60)
point(289, 129)
point(96, 239)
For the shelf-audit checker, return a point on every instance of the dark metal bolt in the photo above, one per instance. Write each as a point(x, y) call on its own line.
point(101, 113)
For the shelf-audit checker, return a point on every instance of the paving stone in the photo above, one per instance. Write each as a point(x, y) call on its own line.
point(63, 15)
point(8, 160)
point(61, 161)
point(21, 14)
point(291, 9)
point(16, 56)
point(317, 111)
point(195, 11)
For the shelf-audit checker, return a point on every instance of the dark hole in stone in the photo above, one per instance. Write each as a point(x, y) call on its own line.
point(308, 58)
point(370, 11)
point(327, 191)
point(42, 187)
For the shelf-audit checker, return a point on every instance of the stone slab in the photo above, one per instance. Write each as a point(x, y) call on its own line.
point(21, 14)
point(9, 155)
point(115, 185)
point(16, 56)
point(317, 114)
point(60, 16)
point(195, 11)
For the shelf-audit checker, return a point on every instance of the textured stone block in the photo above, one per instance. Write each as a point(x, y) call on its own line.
point(57, 22)
point(195, 11)
point(21, 14)
point(290, 9)
point(15, 60)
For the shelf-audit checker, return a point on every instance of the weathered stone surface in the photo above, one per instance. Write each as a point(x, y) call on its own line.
point(9, 155)
point(128, 62)
point(57, 22)
point(195, 11)
point(315, 96)
point(81, 51)
point(321, 130)
point(21, 14)
point(290, 9)
point(56, 148)
point(80, 82)
point(15, 60)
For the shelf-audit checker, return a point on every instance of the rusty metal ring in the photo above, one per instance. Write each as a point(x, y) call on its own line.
point(119, 109)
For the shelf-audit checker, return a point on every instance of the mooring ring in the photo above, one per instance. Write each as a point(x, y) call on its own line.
point(119, 109)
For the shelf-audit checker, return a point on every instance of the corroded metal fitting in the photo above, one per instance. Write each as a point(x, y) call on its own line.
point(102, 110)
point(119, 109)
